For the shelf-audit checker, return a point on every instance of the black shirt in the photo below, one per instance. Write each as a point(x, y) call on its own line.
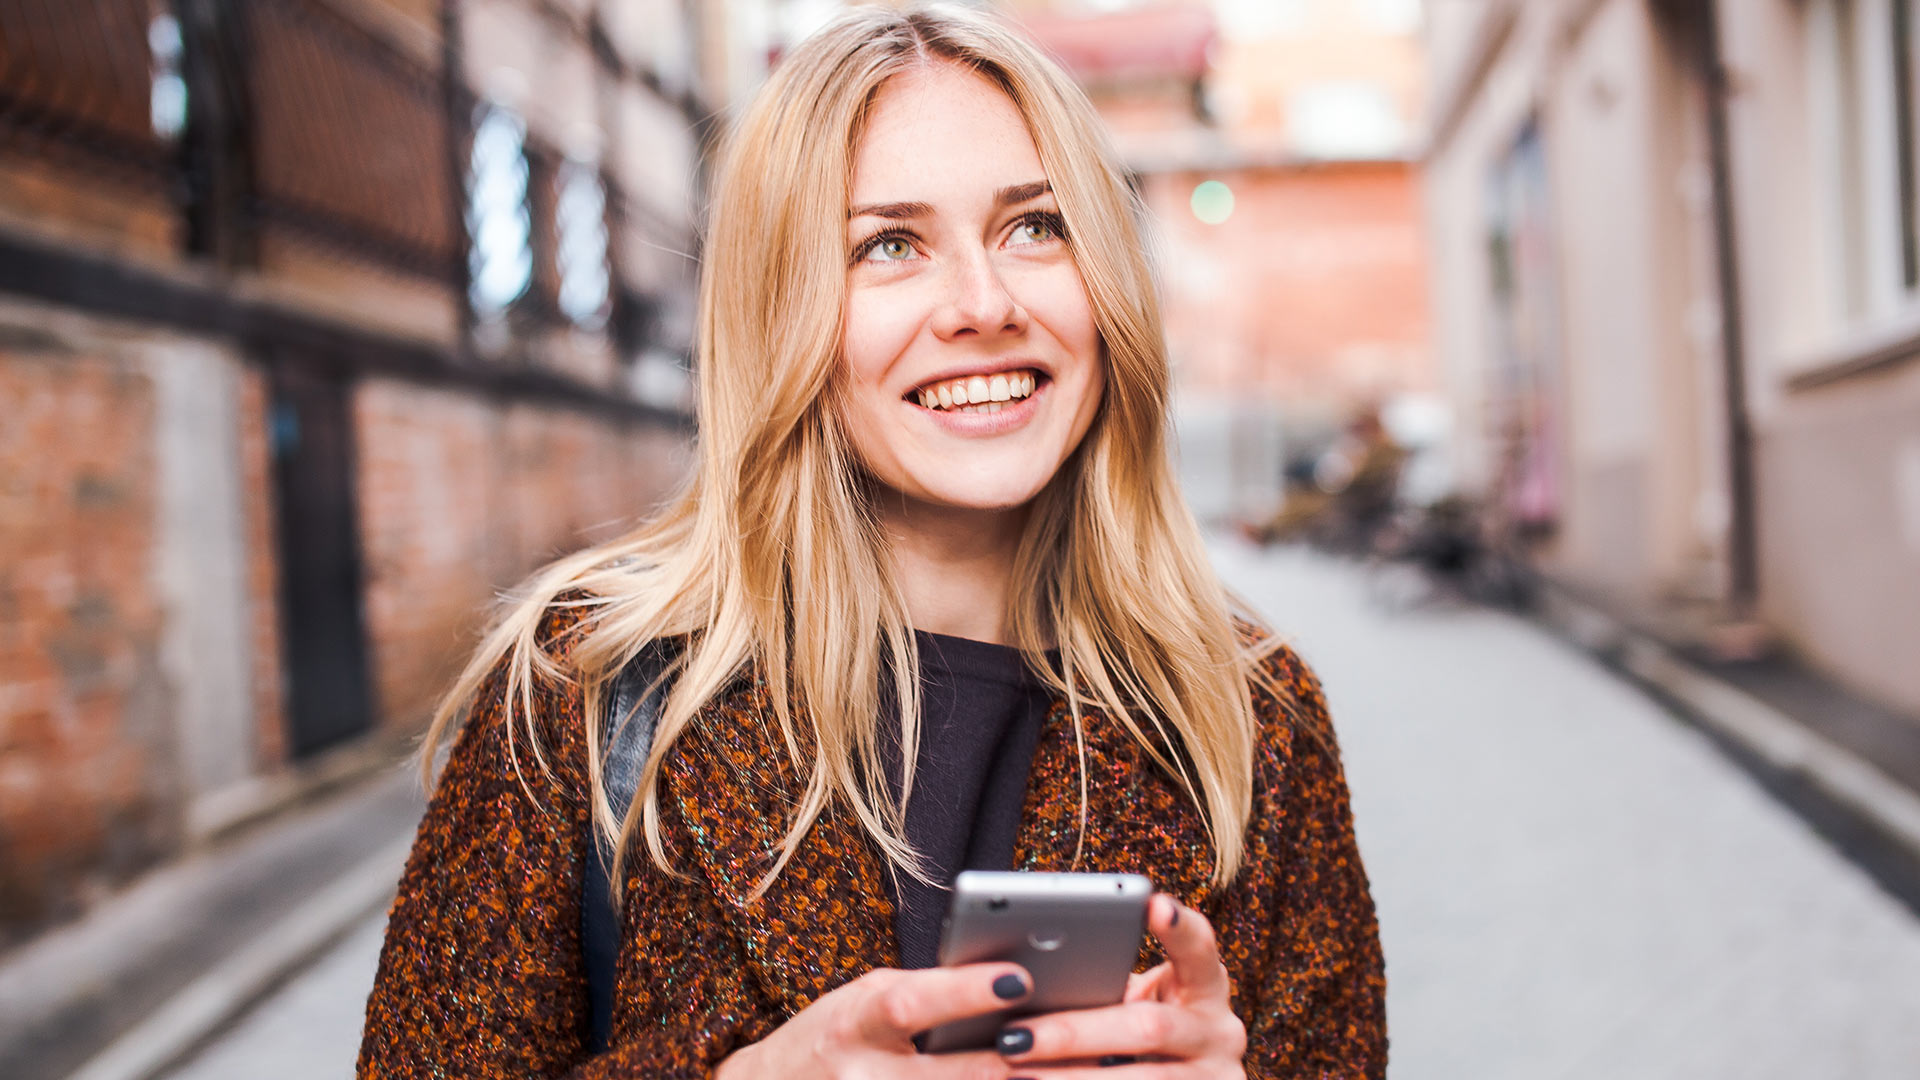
point(980, 717)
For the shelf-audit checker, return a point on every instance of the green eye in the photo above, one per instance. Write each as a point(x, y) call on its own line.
point(894, 248)
point(1038, 229)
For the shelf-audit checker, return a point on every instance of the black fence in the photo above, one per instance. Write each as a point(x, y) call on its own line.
point(76, 85)
point(264, 135)
point(349, 139)
point(261, 120)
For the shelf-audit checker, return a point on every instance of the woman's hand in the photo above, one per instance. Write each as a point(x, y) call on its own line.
point(865, 1029)
point(1175, 1020)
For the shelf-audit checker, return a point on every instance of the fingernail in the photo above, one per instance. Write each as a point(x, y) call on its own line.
point(1008, 987)
point(1175, 921)
point(1117, 1059)
point(1014, 1040)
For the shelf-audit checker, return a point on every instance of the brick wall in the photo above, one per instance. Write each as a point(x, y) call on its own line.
point(425, 463)
point(88, 789)
point(460, 497)
point(1313, 293)
point(263, 569)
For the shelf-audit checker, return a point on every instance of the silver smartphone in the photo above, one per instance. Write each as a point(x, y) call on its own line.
point(1078, 936)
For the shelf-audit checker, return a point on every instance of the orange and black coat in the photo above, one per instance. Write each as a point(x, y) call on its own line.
point(482, 977)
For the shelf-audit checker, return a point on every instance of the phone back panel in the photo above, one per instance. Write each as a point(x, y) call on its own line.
point(1078, 935)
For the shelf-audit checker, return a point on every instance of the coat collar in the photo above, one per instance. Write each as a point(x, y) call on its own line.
point(827, 917)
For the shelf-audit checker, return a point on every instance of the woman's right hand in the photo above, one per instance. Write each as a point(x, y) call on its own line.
point(865, 1029)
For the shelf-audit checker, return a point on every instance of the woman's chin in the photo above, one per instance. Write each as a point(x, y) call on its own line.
point(1002, 495)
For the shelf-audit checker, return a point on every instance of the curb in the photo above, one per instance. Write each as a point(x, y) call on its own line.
point(1850, 781)
point(222, 994)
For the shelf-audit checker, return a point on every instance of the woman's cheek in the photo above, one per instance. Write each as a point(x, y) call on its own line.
point(880, 324)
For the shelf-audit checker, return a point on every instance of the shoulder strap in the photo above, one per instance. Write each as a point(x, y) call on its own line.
point(632, 712)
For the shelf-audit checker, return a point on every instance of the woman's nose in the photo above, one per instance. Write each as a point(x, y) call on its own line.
point(977, 301)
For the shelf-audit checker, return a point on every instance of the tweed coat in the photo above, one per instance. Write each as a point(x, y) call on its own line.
point(481, 976)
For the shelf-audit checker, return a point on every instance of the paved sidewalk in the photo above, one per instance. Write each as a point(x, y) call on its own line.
point(153, 969)
point(1571, 883)
point(311, 1028)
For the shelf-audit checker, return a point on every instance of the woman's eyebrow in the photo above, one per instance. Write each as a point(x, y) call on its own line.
point(1012, 195)
point(898, 211)
point(1019, 193)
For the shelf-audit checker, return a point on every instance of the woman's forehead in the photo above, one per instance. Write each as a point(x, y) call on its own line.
point(941, 127)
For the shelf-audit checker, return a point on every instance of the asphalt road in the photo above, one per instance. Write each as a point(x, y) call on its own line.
point(1571, 884)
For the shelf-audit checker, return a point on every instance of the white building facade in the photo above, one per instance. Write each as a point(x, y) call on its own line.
point(1676, 255)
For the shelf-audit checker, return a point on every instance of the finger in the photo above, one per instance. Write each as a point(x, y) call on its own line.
point(905, 1003)
point(1120, 1069)
point(1138, 1029)
point(1149, 985)
point(1186, 937)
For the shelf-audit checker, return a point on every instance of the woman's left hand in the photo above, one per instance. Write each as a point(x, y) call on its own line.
point(1175, 1020)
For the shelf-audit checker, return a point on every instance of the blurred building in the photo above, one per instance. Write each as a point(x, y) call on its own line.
point(1273, 141)
point(320, 321)
point(1678, 302)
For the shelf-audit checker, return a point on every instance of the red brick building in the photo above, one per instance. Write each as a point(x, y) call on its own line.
point(1298, 295)
point(320, 321)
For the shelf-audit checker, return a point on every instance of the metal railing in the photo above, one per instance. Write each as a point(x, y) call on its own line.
point(349, 137)
point(77, 82)
point(284, 131)
point(278, 117)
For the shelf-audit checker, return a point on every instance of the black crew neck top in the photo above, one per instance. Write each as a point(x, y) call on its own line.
point(980, 719)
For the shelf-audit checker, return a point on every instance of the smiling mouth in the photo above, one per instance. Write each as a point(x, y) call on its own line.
point(977, 393)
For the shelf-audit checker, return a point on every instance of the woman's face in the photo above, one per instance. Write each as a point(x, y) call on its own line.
point(973, 367)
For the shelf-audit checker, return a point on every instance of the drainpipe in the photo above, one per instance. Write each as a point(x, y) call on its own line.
point(1743, 549)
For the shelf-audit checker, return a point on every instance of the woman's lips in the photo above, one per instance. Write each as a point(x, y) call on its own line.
point(987, 418)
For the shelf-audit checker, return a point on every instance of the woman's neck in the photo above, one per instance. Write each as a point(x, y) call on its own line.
point(955, 566)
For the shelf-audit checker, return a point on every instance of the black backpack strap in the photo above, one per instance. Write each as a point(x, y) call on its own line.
point(632, 713)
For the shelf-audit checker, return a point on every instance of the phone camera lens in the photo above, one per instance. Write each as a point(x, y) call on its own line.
point(997, 903)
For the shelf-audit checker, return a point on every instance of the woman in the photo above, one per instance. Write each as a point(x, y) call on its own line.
point(936, 604)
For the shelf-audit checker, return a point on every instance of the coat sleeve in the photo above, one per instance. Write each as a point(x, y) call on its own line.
point(1318, 1007)
point(481, 976)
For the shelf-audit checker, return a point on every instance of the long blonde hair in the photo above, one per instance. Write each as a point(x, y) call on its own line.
point(770, 560)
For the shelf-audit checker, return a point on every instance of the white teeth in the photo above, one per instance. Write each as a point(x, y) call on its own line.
point(979, 393)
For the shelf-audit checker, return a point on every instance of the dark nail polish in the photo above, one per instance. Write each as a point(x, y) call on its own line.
point(1009, 987)
point(1111, 1060)
point(1175, 921)
point(1014, 1040)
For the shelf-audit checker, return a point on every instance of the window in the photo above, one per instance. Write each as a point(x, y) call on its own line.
point(580, 222)
point(1392, 16)
point(167, 101)
point(501, 260)
point(1262, 18)
point(1345, 120)
point(1861, 65)
point(1904, 26)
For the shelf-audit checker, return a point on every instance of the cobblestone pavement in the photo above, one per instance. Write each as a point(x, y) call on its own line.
point(1572, 885)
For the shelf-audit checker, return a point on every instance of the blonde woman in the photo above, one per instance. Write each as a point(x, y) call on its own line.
point(931, 601)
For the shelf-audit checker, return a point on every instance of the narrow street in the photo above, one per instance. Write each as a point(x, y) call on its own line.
point(1572, 885)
